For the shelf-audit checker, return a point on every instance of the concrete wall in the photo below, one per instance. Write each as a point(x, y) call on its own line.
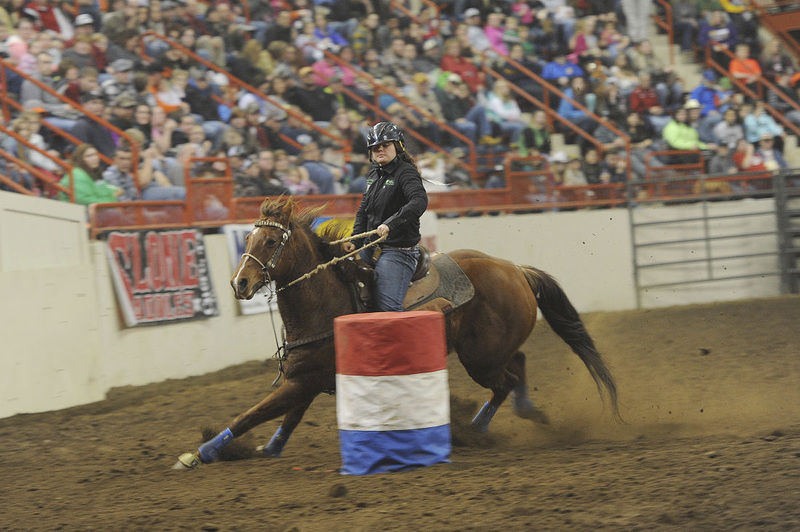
point(64, 342)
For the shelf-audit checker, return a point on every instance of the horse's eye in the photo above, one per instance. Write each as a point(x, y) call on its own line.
point(271, 242)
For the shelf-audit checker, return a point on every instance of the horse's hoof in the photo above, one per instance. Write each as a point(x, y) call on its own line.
point(531, 412)
point(483, 429)
point(187, 461)
point(266, 452)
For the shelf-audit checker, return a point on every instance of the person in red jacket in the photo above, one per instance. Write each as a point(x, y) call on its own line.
point(454, 61)
point(644, 100)
point(48, 17)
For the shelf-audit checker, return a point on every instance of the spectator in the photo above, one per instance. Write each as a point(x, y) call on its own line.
point(259, 178)
point(142, 122)
point(295, 179)
point(685, 23)
point(614, 168)
point(475, 32)
point(494, 31)
point(637, 15)
point(758, 123)
point(680, 136)
point(59, 114)
point(50, 17)
point(773, 160)
point(644, 100)
point(729, 131)
point(703, 124)
point(365, 35)
point(322, 175)
point(154, 185)
point(774, 62)
point(707, 94)
point(722, 162)
point(81, 53)
point(592, 167)
point(461, 113)
point(720, 34)
point(573, 175)
point(535, 137)
point(662, 76)
point(746, 159)
point(641, 135)
point(743, 68)
point(518, 76)
point(122, 112)
point(453, 61)
point(503, 110)
point(578, 92)
point(86, 82)
point(783, 96)
point(91, 132)
point(560, 71)
point(311, 98)
point(87, 178)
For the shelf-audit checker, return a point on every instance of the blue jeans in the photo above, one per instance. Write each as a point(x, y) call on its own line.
point(393, 273)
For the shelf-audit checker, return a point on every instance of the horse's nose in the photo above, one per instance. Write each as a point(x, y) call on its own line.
point(240, 285)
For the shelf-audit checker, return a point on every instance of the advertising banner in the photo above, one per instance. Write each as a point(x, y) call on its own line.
point(161, 276)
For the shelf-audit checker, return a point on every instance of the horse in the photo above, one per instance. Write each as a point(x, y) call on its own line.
point(486, 332)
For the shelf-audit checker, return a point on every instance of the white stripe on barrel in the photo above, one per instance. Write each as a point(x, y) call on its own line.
point(392, 394)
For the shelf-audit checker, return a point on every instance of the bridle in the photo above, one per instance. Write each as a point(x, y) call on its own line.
point(283, 348)
point(276, 255)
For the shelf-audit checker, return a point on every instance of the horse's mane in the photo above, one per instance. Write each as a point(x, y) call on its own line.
point(304, 219)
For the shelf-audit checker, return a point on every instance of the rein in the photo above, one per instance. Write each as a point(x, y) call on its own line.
point(283, 348)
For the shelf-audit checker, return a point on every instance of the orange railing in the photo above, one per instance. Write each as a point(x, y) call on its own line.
point(238, 82)
point(666, 25)
point(99, 119)
point(762, 84)
point(69, 191)
point(379, 88)
point(665, 189)
point(553, 115)
point(772, 17)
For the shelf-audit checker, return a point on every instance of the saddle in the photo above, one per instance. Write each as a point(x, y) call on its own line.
point(437, 282)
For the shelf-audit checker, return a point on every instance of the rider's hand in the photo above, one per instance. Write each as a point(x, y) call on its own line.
point(383, 230)
point(348, 247)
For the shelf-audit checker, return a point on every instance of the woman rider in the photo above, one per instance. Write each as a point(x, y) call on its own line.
point(393, 204)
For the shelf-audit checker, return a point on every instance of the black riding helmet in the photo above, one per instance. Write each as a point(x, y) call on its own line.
point(386, 132)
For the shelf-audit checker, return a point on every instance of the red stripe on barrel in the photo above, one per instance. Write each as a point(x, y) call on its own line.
point(367, 344)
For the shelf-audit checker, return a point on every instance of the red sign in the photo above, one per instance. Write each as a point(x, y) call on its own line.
point(161, 276)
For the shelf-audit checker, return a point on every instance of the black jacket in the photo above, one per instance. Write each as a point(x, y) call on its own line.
point(395, 197)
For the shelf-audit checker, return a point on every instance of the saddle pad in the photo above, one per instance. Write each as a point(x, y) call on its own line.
point(445, 279)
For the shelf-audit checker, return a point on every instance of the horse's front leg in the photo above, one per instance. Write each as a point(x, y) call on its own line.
point(278, 441)
point(285, 399)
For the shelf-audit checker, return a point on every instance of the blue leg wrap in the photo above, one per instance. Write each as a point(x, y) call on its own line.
point(209, 451)
point(276, 443)
point(484, 416)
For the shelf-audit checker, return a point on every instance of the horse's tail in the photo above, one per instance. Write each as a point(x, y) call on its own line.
point(565, 321)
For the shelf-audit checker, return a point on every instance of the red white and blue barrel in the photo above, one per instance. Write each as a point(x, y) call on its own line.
point(392, 393)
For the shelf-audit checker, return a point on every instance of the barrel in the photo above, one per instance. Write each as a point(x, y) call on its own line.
point(392, 393)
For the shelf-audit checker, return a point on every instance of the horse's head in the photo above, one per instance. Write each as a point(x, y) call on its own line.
point(265, 255)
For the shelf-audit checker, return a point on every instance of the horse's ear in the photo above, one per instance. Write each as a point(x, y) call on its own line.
point(287, 209)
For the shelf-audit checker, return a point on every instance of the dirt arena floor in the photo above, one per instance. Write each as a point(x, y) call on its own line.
point(710, 393)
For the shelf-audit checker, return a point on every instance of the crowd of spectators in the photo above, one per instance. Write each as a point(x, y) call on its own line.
point(309, 57)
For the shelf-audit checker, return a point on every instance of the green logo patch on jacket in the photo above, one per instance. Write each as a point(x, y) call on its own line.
point(389, 182)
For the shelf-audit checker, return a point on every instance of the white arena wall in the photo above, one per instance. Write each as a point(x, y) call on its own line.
point(64, 341)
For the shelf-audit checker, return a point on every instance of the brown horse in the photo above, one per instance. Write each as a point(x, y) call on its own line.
point(486, 332)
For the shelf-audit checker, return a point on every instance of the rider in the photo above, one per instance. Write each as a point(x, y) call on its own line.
point(393, 203)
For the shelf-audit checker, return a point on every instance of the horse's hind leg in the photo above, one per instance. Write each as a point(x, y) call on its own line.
point(523, 406)
point(501, 384)
point(278, 441)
